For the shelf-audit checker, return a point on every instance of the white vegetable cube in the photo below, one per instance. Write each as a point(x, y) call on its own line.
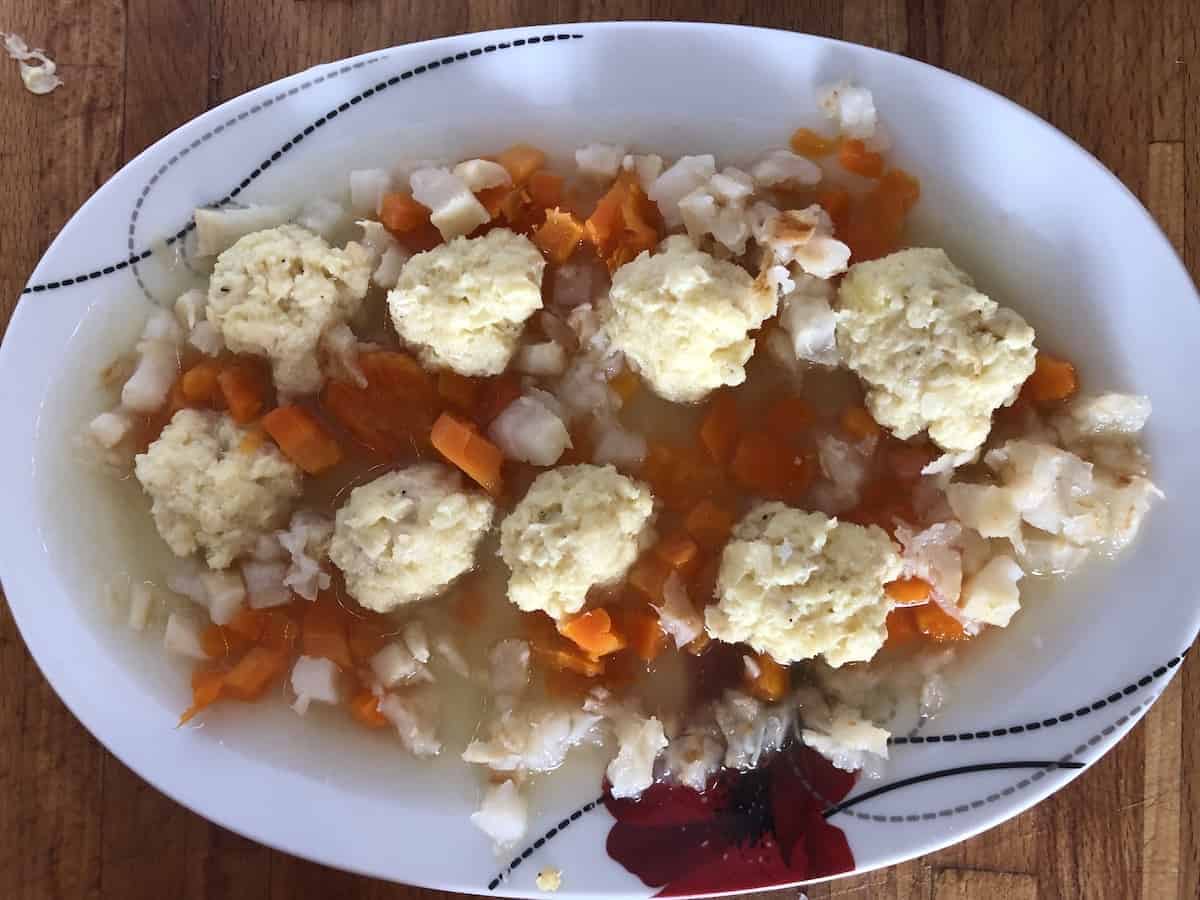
point(417, 641)
point(481, 174)
point(599, 161)
point(140, 601)
point(991, 595)
point(454, 210)
point(323, 216)
point(148, 386)
point(207, 339)
point(315, 679)
point(503, 815)
point(109, 428)
point(527, 431)
point(226, 592)
point(190, 307)
point(219, 229)
point(265, 583)
point(367, 187)
point(183, 636)
point(415, 716)
point(395, 664)
point(687, 174)
point(785, 168)
point(546, 358)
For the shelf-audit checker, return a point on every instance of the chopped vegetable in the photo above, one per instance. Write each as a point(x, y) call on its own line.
point(593, 632)
point(207, 685)
point(719, 430)
point(247, 624)
point(244, 390)
point(679, 551)
point(858, 423)
point(199, 383)
point(908, 591)
point(521, 161)
point(559, 236)
point(364, 706)
point(394, 413)
point(836, 202)
point(649, 576)
point(766, 679)
point(545, 189)
point(462, 445)
point(853, 156)
point(624, 223)
point(809, 143)
point(934, 622)
point(640, 627)
point(764, 465)
point(710, 524)
point(1053, 380)
point(324, 633)
point(401, 214)
point(625, 384)
point(254, 672)
point(902, 626)
point(279, 630)
point(302, 439)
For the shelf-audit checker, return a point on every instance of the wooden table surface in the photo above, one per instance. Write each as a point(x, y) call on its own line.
point(1120, 76)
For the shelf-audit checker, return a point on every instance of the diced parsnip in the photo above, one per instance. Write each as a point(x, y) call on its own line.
point(225, 592)
point(190, 308)
point(182, 636)
point(207, 339)
point(503, 815)
point(683, 177)
point(387, 273)
point(265, 583)
point(244, 389)
point(559, 236)
point(646, 167)
point(617, 445)
point(140, 600)
point(481, 174)
point(478, 457)
point(110, 428)
point(546, 358)
point(367, 187)
point(219, 229)
point(395, 664)
point(453, 209)
point(302, 439)
point(316, 679)
point(414, 715)
point(147, 388)
point(599, 161)
point(677, 615)
point(783, 168)
point(340, 346)
point(593, 632)
point(417, 641)
point(521, 161)
point(252, 675)
point(323, 216)
point(447, 650)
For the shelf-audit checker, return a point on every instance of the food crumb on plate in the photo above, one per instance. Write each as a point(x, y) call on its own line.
point(549, 880)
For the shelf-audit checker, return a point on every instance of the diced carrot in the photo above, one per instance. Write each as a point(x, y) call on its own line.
point(593, 632)
point(787, 417)
point(1053, 380)
point(874, 227)
point(710, 524)
point(858, 423)
point(836, 202)
point(215, 641)
point(279, 630)
point(207, 686)
point(570, 661)
point(394, 412)
point(478, 457)
point(719, 429)
point(254, 672)
point(902, 626)
point(908, 591)
point(648, 577)
point(640, 626)
point(401, 214)
point(853, 156)
point(247, 624)
point(423, 237)
point(809, 143)
point(766, 466)
point(679, 551)
point(493, 198)
point(559, 236)
point(365, 638)
point(625, 383)
point(521, 161)
point(641, 218)
point(364, 706)
point(603, 226)
point(624, 223)
point(495, 396)
point(302, 439)
point(772, 681)
point(459, 391)
point(199, 383)
point(934, 622)
point(545, 189)
point(325, 633)
point(244, 390)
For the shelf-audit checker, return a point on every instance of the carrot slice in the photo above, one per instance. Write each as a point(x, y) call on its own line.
point(458, 390)
point(545, 189)
point(302, 439)
point(324, 633)
point(908, 591)
point(521, 161)
point(710, 524)
point(364, 706)
point(478, 457)
point(244, 390)
point(254, 672)
point(719, 430)
point(679, 551)
point(853, 156)
point(859, 424)
point(809, 143)
point(1053, 379)
point(934, 622)
point(199, 383)
point(401, 214)
point(772, 681)
point(559, 236)
point(593, 632)
point(902, 626)
point(207, 686)
point(394, 412)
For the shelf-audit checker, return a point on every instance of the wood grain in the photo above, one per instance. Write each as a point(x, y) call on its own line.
point(1120, 77)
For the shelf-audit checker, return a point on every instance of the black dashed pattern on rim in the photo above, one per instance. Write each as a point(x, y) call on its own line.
point(541, 842)
point(134, 257)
